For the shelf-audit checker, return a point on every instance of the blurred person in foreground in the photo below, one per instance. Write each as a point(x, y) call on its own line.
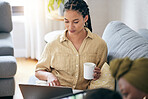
point(102, 93)
point(132, 77)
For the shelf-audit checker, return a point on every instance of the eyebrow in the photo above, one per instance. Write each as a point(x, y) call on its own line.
point(73, 20)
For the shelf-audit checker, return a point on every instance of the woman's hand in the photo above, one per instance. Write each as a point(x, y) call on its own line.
point(47, 76)
point(97, 73)
point(52, 80)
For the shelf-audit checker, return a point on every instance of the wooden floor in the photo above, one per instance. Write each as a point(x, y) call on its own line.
point(25, 69)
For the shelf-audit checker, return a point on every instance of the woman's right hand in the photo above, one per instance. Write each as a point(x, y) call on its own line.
point(52, 80)
point(47, 76)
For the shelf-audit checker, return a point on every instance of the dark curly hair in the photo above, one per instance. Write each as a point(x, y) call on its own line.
point(80, 6)
point(102, 93)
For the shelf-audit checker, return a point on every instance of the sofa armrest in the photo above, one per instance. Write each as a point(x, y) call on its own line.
point(5, 17)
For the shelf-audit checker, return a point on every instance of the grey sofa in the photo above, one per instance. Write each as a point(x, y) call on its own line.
point(7, 60)
point(122, 42)
point(143, 32)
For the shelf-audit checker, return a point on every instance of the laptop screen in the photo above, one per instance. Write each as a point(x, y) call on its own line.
point(43, 92)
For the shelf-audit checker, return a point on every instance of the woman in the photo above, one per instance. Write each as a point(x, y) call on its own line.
point(61, 63)
point(132, 77)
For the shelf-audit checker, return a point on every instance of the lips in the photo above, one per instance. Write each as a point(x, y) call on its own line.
point(71, 31)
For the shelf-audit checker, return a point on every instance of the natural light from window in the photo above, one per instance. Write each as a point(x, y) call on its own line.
point(16, 2)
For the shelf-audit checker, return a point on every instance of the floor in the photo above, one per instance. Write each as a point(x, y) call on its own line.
point(25, 69)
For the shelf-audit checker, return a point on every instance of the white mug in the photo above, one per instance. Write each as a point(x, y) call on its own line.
point(89, 70)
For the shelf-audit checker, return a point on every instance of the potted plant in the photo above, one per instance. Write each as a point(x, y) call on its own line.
point(51, 4)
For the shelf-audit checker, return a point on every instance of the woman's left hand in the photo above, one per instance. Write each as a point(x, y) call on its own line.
point(97, 73)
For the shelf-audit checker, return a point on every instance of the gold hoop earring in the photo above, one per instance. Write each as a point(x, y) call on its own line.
point(86, 24)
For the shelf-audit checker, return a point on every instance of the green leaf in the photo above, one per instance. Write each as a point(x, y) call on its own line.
point(59, 2)
point(50, 5)
point(51, 2)
point(63, 1)
point(48, 8)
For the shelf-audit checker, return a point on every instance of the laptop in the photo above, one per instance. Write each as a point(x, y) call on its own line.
point(43, 92)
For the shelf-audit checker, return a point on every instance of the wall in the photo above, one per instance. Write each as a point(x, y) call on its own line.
point(132, 12)
point(114, 10)
point(99, 15)
point(135, 14)
point(18, 34)
point(102, 12)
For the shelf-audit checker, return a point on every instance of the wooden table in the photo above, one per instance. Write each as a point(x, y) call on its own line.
point(53, 15)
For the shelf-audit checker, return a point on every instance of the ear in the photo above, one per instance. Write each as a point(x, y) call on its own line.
point(86, 18)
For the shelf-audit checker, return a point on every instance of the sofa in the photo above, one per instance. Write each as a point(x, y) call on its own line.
point(7, 60)
point(123, 42)
point(143, 32)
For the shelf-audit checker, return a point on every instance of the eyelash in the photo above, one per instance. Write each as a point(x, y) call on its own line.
point(76, 22)
point(68, 22)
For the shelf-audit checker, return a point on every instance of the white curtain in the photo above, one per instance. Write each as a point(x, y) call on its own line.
point(36, 26)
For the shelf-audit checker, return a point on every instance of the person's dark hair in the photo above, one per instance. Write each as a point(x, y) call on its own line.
point(81, 7)
point(102, 93)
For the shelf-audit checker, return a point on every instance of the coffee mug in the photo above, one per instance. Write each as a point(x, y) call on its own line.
point(89, 70)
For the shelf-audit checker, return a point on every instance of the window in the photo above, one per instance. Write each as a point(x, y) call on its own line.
point(17, 7)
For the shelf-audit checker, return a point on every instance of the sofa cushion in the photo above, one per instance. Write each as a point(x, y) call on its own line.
point(6, 45)
point(144, 33)
point(7, 66)
point(5, 17)
point(7, 87)
point(105, 80)
point(122, 42)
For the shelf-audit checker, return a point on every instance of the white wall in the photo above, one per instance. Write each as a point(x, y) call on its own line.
point(132, 12)
point(102, 12)
point(18, 34)
point(114, 10)
point(99, 15)
point(135, 13)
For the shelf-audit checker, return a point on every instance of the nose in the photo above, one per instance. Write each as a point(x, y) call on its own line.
point(71, 26)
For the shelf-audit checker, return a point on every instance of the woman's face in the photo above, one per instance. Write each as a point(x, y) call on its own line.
point(74, 21)
point(128, 91)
